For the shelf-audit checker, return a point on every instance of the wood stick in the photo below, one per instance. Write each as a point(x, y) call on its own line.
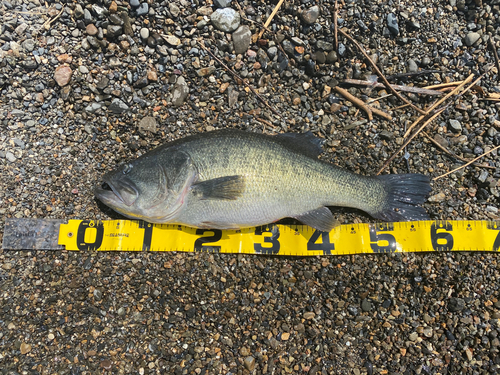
point(408, 140)
point(440, 101)
point(335, 26)
point(379, 73)
point(412, 74)
point(438, 111)
point(444, 85)
point(452, 153)
point(415, 90)
point(202, 45)
point(495, 54)
point(47, 24)
point(357, 102)
point(466, 164)
point(380, 113)
point(268, 21)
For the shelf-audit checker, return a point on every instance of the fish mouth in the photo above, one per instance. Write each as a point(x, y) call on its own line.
point(111, 194)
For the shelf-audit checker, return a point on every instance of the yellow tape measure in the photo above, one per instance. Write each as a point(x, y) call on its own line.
point(277, 239)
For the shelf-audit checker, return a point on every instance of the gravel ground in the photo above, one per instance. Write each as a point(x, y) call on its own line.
point(86, 86)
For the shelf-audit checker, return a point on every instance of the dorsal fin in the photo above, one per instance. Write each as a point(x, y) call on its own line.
point(305, 143)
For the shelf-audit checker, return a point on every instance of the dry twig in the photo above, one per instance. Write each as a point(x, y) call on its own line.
point(466, 164)
point(415, 90)
point(335, 26)
point(495, 54)
point(357, 102)
point(408, 140)
point(437, 113)
point(202, 45)
point(411, 74)
point(379, 73)
point(47, 24)
point(268, 21)
point(444, 85)
point(440, 101)
point(453, 154)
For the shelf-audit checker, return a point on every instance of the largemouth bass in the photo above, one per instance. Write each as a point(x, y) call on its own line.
point(230, 179)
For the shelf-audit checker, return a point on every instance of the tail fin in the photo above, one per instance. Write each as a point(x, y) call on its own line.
point(404, 193)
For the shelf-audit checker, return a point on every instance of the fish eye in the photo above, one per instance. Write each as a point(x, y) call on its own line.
point(127, 168)
point(105, 186)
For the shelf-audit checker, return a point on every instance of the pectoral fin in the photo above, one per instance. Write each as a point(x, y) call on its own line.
point(225, 188)
point(321, 219)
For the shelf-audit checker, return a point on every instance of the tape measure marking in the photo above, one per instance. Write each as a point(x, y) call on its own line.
point(299, 240)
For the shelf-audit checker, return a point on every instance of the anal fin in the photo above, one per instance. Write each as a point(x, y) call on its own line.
point(320, 219)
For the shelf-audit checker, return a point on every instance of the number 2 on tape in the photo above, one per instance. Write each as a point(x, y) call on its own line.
point(200, 245)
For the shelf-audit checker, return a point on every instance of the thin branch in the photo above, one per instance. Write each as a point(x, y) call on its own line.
point(495, 54)
point(444, 85)
point(408, 140)
point(415, 90)
point(452, 154)
point(202, 45)
point(380, 113)
point(47, 24)
point(379, 73)
point(357, 102)
point(268, 21)
point(466, 164)
point(335, 26)
point(412, 74)
point(440, 101)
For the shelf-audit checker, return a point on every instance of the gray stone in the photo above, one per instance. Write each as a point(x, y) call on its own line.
point(174, 9)
point(78, 12)
point(320, 57)
point(392, 24)
point(144, 33)
point(412, 66)
point(17, 113)
point(180, 93)
point(310, 15)
point(143, 9)
point(118, 106)
point(491, 132)
point(455, 126)
point(114, 31)
point(325, 46)
point(99, 11)
point(148, 123)
point(241, 39)
point(272, 52)
point(28, 45)
point(226, 19)
point(471, 38)
point(222, 3)
point(10, 157)
point(92, 108)
point(387, 135)
point(366, 305)
point(249, 363)
point(232, 97)
point(331, 57)
point(483, 176)
point(456, 304)
point(441, 140)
